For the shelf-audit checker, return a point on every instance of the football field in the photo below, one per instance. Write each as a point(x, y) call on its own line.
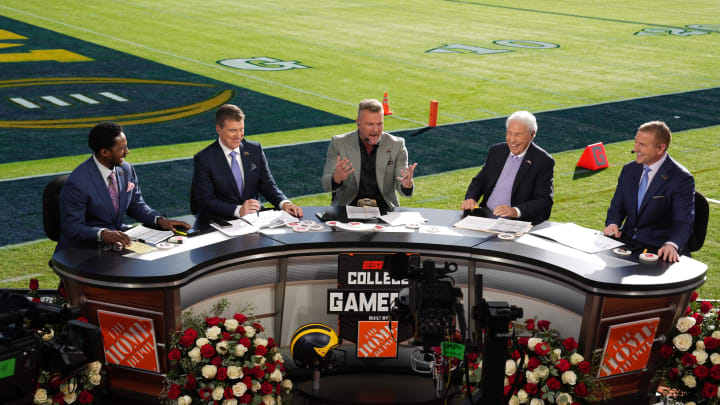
point(591, 72)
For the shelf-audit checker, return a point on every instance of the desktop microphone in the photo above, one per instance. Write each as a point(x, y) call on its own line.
point(632, 151)
point(367, 140)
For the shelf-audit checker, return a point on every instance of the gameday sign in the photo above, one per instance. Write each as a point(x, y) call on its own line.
point(129, 340)
point(627, 347)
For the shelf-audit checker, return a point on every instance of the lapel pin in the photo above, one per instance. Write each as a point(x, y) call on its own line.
point(664, 177)
point(529, 161)
point(246, 153)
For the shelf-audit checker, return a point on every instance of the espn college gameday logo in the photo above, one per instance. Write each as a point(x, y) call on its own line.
point(129, 340)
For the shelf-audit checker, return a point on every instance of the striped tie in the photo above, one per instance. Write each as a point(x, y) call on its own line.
point(113, 190)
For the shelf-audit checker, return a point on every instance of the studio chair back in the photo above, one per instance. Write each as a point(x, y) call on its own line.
point(51, 207)
point(702, 214)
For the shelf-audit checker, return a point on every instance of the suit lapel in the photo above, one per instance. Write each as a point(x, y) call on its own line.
point(382, 157)
point(101, 189)
point(224, 168)
point(246, 162)
point(355, 156)
point(522, 170)
point(657, 183)
point(122, 178)
point(498, 170)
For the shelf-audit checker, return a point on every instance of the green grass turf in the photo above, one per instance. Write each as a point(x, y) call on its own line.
point(583, 201)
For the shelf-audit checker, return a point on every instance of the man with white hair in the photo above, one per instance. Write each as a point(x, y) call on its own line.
point(517, 178)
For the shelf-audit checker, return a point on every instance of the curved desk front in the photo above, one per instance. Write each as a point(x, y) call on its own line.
point(286, 275)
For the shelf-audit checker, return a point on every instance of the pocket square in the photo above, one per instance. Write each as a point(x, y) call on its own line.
point(658, 196)
point(130, 186)
point(390, 162)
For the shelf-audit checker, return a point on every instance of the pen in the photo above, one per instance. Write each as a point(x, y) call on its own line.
point(644, 251)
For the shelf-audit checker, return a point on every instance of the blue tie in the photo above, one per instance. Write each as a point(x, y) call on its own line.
point(643, 186)
point(237, 173)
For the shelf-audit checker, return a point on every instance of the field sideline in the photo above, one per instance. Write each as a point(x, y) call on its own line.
point(479, 59)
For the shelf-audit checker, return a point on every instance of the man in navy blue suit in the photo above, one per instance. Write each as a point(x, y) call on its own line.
point(102, 190)
point(516, 180)
point(230, 173)
point(655, 196)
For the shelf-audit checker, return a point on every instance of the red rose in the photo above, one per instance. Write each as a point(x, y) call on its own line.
point(715, 372)
point(55, 381)
point(228, 394)
point(542, 349)
point(258, 327)
point(543, 325)
point(709, 390)
point(205, 393)
point(221, 373)
point(174, 354)
point(59, 399)
point(570, 344)
point(259, 373)
point(174, 391)
point(190, 382)
point(666, 351)
point(214, 321)
point(674, 373)
point(533, 363)
point(85, 397)
point(472, 356)
point(693, 296)
point(531, 388)
point(515, 355)
point(278, 389)
point(711, 342)
point(688, 310)
point(506, 389)
point(34, 284)
point(207, 351)
point(271, 343)
point(62, 292)
point(245, 342)
point(225, 336)
point(699, 319)
point(554, 384)
point(240, 318)
point(581, 390)
point(530, 324)
point(705, 307)
point(245, 399)
point(216, 361)
point(694, 331)
point(192, 333)
point(36, 299)
point(688, 359)
point(511, 379)
point(269, 367)
point(260, 350)
point(247, 380)
point(562, 365)
point(701, 372)
point(584, 367)
point(186, 340)
point(523, 341)
point(266, 388)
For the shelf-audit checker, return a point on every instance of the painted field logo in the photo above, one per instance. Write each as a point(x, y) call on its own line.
point(81, 102)
point(129, 340)
point(262, 63)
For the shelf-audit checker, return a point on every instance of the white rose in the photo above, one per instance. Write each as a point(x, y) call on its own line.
point(239, 389)
point(524, 361)
point(569, 377)
point(48, 336)
point(685, 323)
point(255, 386)
point(184, 400)
point(95, 378)
point(222, 347)
point(701, 356)
point(510, 367)
point(531, 377)
point(249, 331)
point(716, 334)
point(576, 358)
point(700, 345)
point(715, 359)
point(260, 360)
point(201, 342)
point(40, 396)
point(231, 325)
point(690, 403)
point(514, 400)
point(230, 401)
point(522, 396)
point(67, 388)
point(536, 401)
point(542, 372)
point(268, 400)
point(276, 375)
point(532, 342)
point(70, 398)
point(277, 357)
point(682, 342)
point(563, 399)
point(218, 393)
point(240, 350)
point(94, 367)
point(506, 382)
point(689, 381)
point(213, 333)
point(555, 355)
point(209, 371)
point(234, 372)
point(286, 384)
point(195, 355)
point(260, 342)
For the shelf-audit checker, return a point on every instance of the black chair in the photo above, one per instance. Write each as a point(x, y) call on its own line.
point(51, 207)
point(699, 230)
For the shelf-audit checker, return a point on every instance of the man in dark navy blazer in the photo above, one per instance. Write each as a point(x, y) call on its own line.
point(230, 173)
point(517, 178)
point(102, 190)
point(665, 214)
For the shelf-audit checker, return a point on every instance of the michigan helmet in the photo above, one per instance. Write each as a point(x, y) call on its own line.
point(311, 346)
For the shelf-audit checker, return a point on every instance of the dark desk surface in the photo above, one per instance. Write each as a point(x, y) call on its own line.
point(599, 272)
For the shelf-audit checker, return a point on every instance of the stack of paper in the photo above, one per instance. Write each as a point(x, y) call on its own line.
point(499, 225)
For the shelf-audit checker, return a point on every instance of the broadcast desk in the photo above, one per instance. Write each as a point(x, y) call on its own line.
point(286, 275)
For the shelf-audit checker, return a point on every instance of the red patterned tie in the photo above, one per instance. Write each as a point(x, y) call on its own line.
point(113, 189)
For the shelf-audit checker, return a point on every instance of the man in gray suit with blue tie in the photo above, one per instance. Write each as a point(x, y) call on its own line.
point(368, 164)
point(98, 193)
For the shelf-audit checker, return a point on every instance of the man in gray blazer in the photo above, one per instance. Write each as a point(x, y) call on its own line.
point(368, 163)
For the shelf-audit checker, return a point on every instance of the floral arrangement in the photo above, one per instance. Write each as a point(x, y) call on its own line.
point(690, 372)
point(546, 369)
point(54, 388)
point(225, 361)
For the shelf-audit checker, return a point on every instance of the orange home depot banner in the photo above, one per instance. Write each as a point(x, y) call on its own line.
point(129, 340)
point(375, 339)
point(627, 346)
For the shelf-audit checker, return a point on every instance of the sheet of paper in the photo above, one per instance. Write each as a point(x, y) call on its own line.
point(498, 225)
point(189, 244)
point(239, 227)
point(270, 219)
point(403, 218)
point(362, 212)
point(139, 248)
point(578, 237)
point(148, 235)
